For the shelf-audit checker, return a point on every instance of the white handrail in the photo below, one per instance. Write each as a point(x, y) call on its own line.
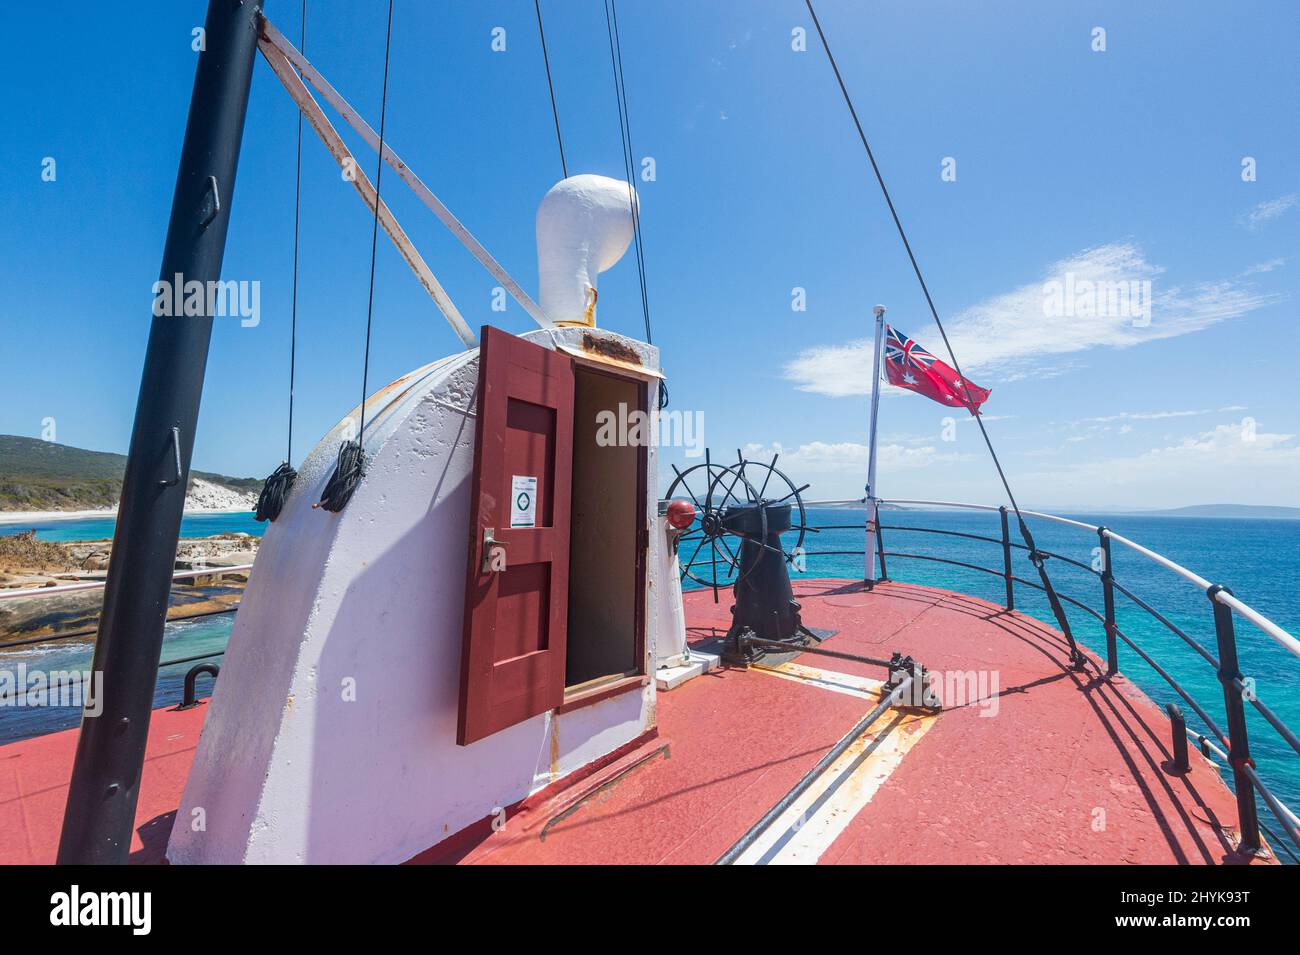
point(989, 507)
point(1165, 562)
point(1259, 620)
point(1279, 635)
point(97, 584)
point(972, 507)
point(1207, 743)
point(1061, 520)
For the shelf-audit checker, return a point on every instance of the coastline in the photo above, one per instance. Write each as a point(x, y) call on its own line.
point(22, 517)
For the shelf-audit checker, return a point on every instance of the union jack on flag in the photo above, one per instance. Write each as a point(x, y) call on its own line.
point(908, 365)
point(900, 348)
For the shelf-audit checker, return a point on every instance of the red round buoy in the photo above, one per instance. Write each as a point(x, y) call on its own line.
point(681, 514)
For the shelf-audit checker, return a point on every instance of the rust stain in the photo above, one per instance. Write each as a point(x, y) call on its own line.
point(609, 349)
point(390, 386)
point(602, 789)
point(555, 747)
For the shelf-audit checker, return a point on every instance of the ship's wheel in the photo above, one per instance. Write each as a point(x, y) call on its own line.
point(731, 503)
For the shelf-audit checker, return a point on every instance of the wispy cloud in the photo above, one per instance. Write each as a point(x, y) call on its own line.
point(1230, 462)
point(1015, 335)
point(1157, 415)
point(820, 457)
point(1261, 267)
point(1256, 217)
point(1237, 462)
point(1099, 426)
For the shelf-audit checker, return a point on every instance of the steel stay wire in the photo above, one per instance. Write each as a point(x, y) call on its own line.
point(1035, 556)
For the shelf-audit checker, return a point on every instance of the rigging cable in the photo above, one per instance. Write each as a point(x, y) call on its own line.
point(1036, 557)
point(554, 112)
point(625, 137)
point(275, 490)
point(352, 459)
point(629, 166)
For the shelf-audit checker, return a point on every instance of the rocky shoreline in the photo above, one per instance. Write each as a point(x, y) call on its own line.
point(26, 563)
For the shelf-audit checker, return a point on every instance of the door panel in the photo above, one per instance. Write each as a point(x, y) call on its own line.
point(516, 618)
point(530, 449)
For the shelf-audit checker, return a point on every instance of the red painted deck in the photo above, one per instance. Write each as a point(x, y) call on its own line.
point(1069, 770)
point(34, 787)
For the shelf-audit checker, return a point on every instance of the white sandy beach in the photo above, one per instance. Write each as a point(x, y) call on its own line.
point(204, 498)
point(23, 517)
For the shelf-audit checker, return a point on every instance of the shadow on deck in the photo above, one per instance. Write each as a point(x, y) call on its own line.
point(1029, 762)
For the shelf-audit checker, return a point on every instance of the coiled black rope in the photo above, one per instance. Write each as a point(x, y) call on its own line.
point(276, 488)
point(1036, 556)
point(351, 465)
point(275, 491)
point(348, 472)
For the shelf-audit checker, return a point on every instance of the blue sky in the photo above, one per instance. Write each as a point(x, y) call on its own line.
point(1117, 165)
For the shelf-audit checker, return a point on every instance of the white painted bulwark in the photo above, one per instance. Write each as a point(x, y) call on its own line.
point(331, 735)
point(670, 649)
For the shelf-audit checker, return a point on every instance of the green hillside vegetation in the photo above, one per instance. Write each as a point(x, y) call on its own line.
point(40, 475)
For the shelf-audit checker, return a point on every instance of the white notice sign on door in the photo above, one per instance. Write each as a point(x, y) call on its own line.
point(523, 501)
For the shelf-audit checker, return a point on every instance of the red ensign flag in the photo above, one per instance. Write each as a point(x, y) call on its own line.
point(910, 366)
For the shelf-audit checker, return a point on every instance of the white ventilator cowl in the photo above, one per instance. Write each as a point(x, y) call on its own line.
point(584, 225)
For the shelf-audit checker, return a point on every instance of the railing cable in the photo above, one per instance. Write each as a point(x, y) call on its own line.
point(276, 488)
point(351, 464)
point(1077, 660)
point(625, 138)
point(564, 168)
point(374, 230)
point(629, 164)
point(297, 207)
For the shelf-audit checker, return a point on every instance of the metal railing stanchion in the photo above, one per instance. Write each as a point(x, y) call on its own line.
point(1178, 723)
point(1108, 597)
point(1007, 575)
point(880, 551)
point(1238, 739)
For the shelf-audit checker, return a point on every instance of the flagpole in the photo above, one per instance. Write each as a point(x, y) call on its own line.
point(873, 507)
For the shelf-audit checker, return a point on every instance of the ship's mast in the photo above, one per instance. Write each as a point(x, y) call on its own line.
point(105, 786)
point(872, 500)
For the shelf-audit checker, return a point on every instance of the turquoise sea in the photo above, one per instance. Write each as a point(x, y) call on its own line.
point(101, 528)
point(1258, 559)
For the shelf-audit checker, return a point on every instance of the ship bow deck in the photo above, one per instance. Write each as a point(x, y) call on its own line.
point(1029, 761)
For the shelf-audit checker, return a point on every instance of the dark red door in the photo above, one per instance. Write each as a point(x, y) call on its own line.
point(517, 588)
